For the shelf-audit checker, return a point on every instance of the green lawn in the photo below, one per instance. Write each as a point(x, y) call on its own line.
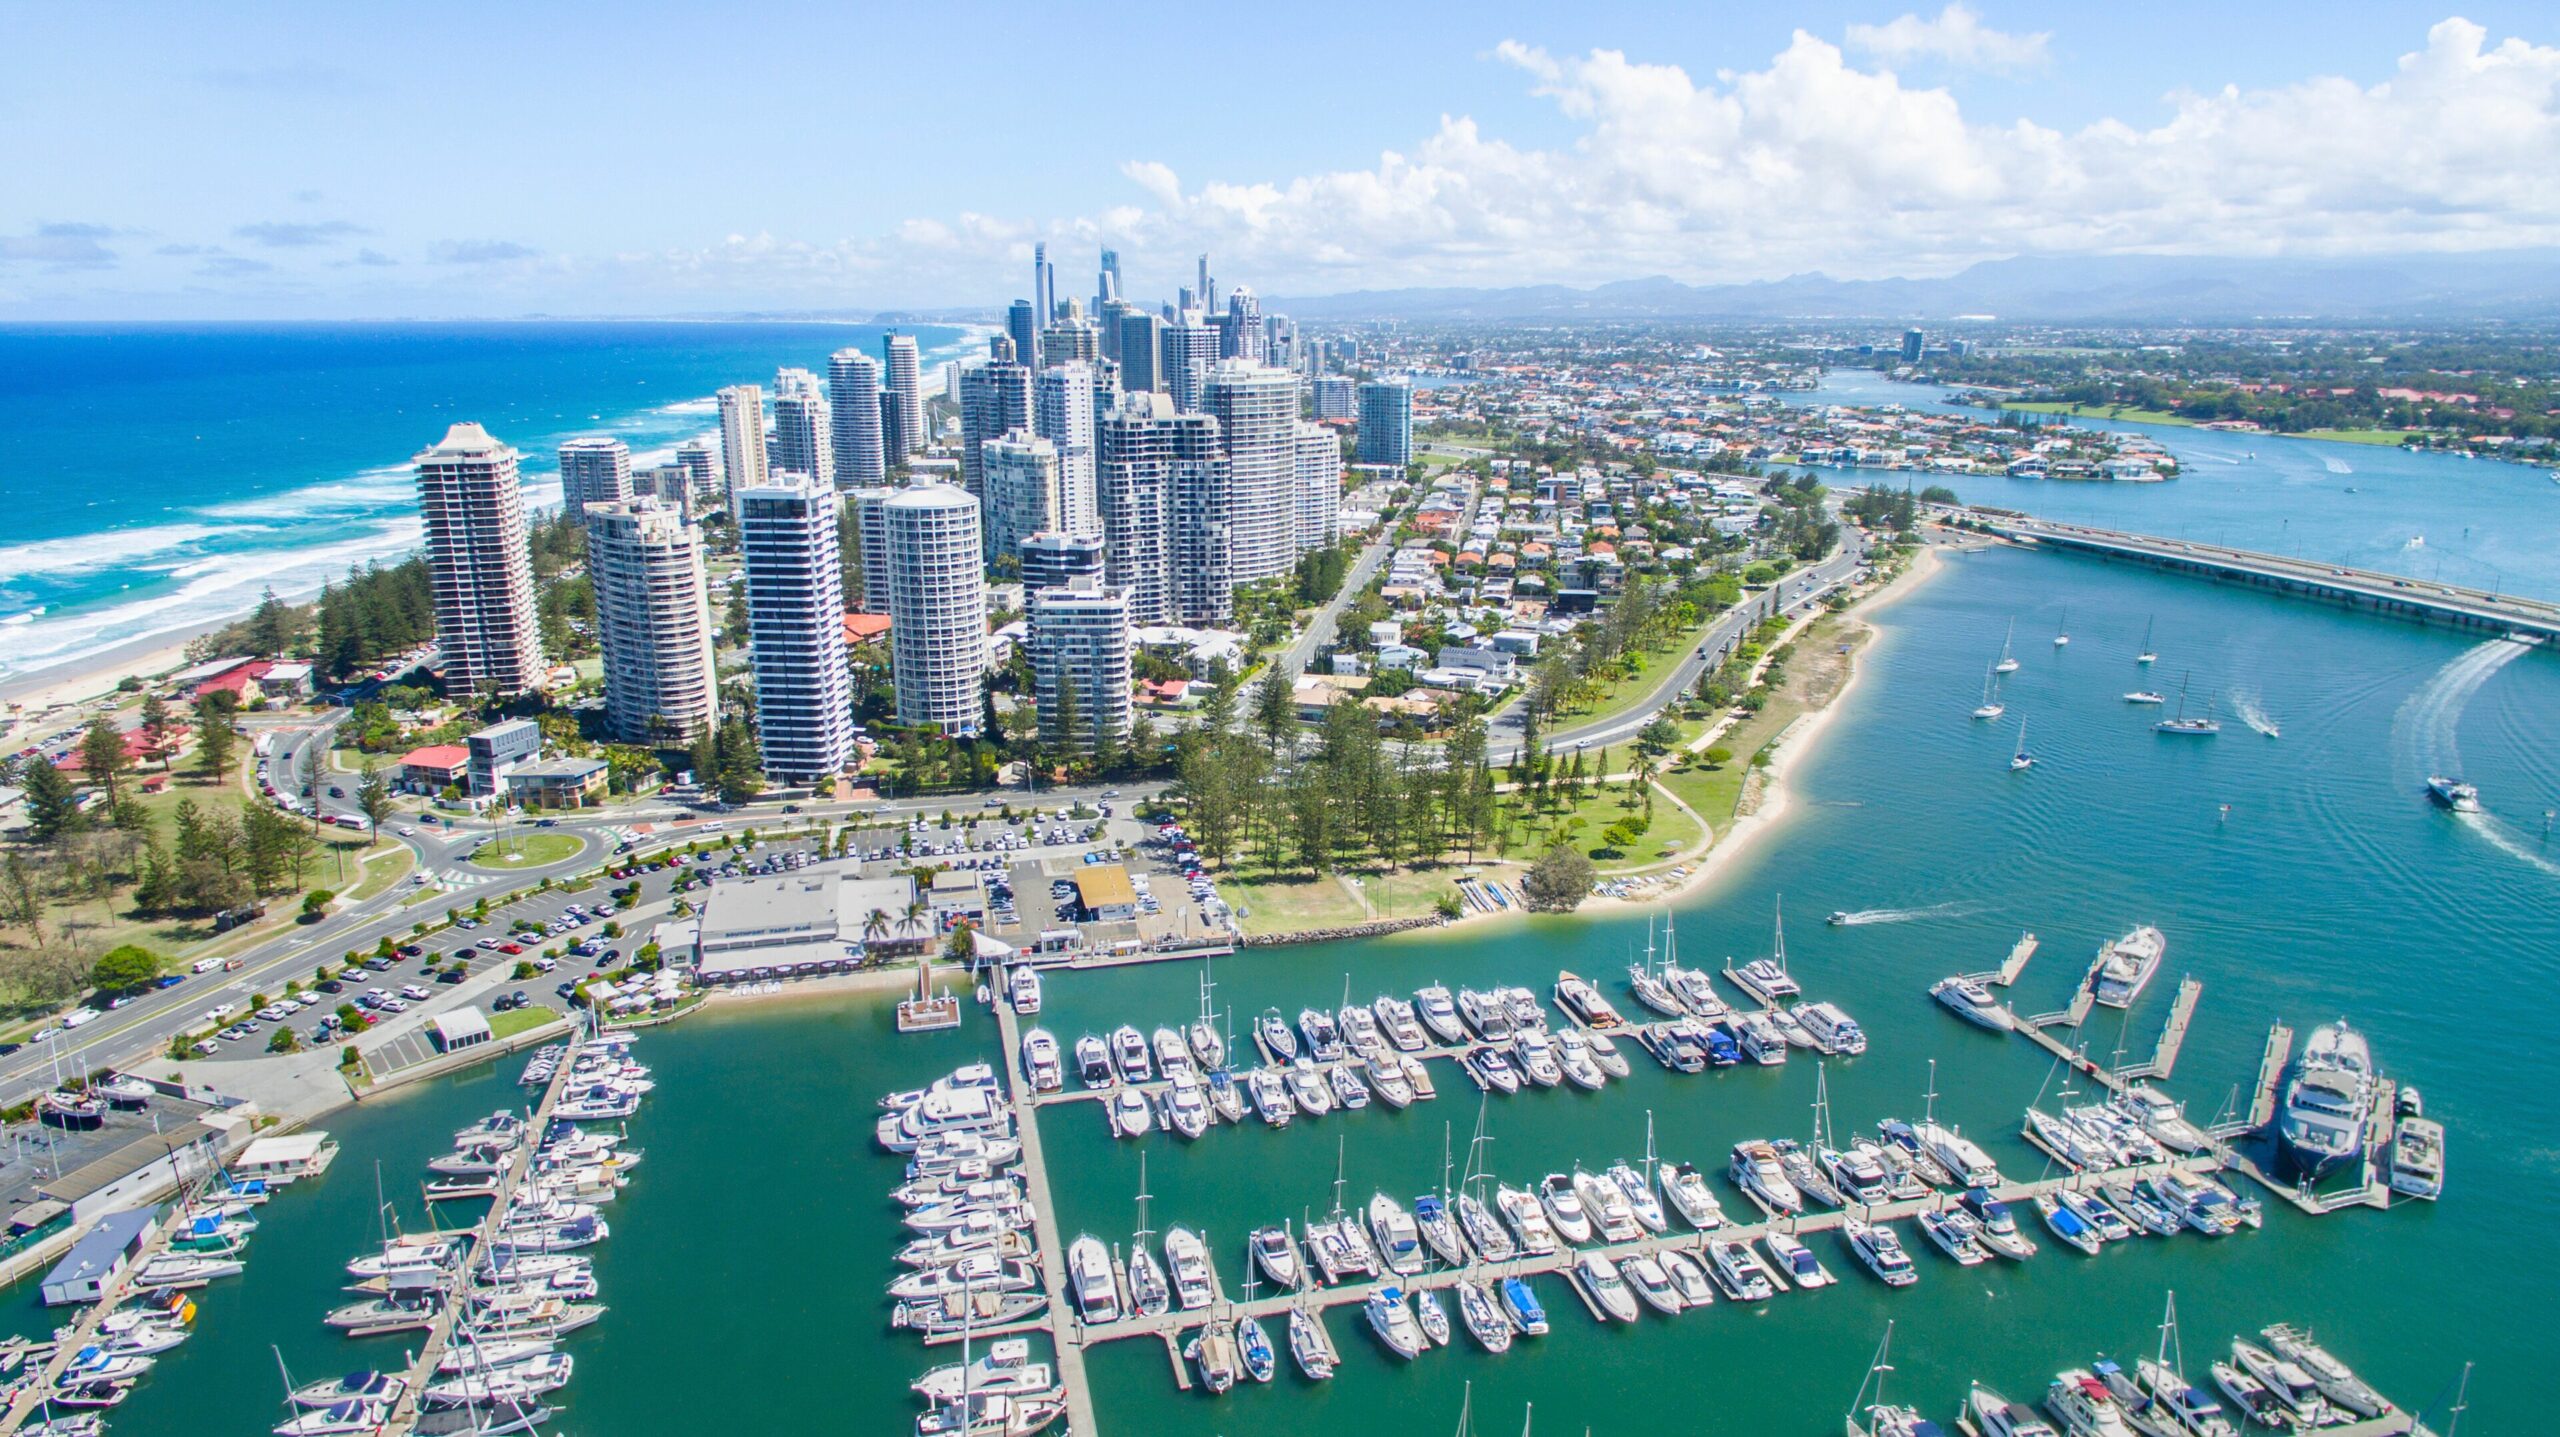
point(525, 850)
point(1272, 905)
point(2098, 411)
point(517, 1020)
point(386, 867)
point(2359, 436)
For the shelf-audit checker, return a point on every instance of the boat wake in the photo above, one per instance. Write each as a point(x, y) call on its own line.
point(2337, 465)
point(2253, 713)
point(2503, 836)
point(1864, 916)
point(2425, 729)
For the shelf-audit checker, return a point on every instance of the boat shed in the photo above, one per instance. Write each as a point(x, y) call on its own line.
point(283, 1158)
point(1106, 893)
point(96, 1260)
point(462, 1028)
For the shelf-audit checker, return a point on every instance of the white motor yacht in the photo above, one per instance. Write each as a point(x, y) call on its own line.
point(2291, 1385)
point(1090, 1281)
point(1996, 1416)
point(1738, 1270)
point(1188, 1257)
point(1795, 1262)
point(1397, 1020)
point(1132, 1116)
point(1639, 1196)
point(1276, 1253)
point(1308, 1088)
point(2126, 966)
point(1005, 1366)
point(1688, 1193)
point(1279, 1041)
point(2328, 1107)
point(1438, 1012)
point(1600, 1281)
point(1173, 1055)
point(1093, 1062)
point(1757, 1171)
point(1833, 1030)
point(1130, 1054)
point(1877, 1247)
point(1271, 1097)
point(1611, 1214)
point(1953, 1232)
point(1960, 1156)
point(1974, 1003)
point(1023, 989)
point(1564, 1208)
point(1393, 1322)
point(1528, 1219)
point(1399, 1240)
point(2336, 1380)
point(1688, 1279)
point(1584, 1003)
point(1644, 1272)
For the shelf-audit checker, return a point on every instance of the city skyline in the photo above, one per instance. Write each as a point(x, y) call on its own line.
point(1496, 148)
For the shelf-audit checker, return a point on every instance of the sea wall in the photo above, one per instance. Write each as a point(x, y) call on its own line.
point(1355, 930)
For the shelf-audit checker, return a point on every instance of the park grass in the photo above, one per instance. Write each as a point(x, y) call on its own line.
point(1814, 674)
point(1598, 808)
point(524, 850)
point(383, 868)
point(1290, 904)
point(517, 1020)
point(2359, 436)
point(2124, 412)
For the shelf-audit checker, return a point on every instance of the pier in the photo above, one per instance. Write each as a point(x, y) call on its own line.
point(2173, 1036)
point(2016, 962)
point(454, 1295)
point(2422, 601)
point(57, 1355)
point(1065, 1331)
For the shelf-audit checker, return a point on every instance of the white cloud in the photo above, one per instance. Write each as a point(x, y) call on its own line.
point(1956, 37)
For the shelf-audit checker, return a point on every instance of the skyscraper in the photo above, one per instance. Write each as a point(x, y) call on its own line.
point(1141, 364)
point(995, 400)
point(803, 427)
point(703, 466)
point(937, 594)
point(1257, 413)
point(795, 626)
point(593, 471)
point(1207, 290)
point(1052, 557)
point(1070, 339)
point(871, 547)
point(1162, 482)
point(480, 564)
point(1062, 411)
point(1189, 350)
point(1044, 284)
point(1080, 657)
point(1243, 337)
point(1386, 422)
point(1023, 324)
point(904, 395)
point(1317, 508)
point(653, 622)
point(853, 396)
point(742, 436)
point(1106, 285)
point(1913, 341)
point(1337, 397)
point(1021, 494)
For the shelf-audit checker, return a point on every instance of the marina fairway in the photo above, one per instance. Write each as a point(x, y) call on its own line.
point(2333, 887)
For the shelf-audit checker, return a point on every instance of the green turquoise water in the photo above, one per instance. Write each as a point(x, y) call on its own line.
point(749, 1253)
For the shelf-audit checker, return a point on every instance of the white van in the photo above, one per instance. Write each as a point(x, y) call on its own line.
point(78, 1016)
point(207, 965)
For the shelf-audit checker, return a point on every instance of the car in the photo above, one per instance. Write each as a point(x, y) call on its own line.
point(412, 950)
point(450, 975)
point(512, 950)
point(518, 998)
point(393, 1005)
point(490, 944)
point(378, 963)
point(330, 985)
point(275, 1013)
point(466, 923)
point(336, 792)
point(220, 1011)
point(413, 992)
point(324, 1033)
point(503, 1003)
point(207, 1049)
point(407, 832)
point(171, 981)
point(791, 808)
point(546, 823)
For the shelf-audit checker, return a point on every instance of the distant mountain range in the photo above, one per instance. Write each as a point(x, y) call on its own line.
point(2124, 288)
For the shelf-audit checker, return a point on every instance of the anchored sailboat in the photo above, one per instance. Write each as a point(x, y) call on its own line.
point(2182, 724)
point(1991, 707)
point(2008, 664)
point(2147, 655)
point(2021, 761)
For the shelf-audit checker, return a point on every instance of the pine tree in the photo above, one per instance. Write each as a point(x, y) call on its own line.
point(102, 757)
point(51, 803)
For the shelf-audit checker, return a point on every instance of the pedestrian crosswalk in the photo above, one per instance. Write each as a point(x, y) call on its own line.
point(454, 880)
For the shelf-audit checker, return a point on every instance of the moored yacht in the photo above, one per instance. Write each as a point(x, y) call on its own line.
point(1276, 1254)
point(1393, 1322)
point(1600, 1281)
point(1040, 1064)
point(2125, 967)
point(1130, 1054)
point(1438, 1012)
point(1583, 1002)
point(1877, 1247)
point(1996, 1416)
point(1688, 1193)
point(1399, 1240)
point(2328, 1106)
point(1758, 1172)
point(1093, 1062)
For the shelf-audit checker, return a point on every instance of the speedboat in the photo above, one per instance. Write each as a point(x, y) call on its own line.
point(1795, 1261)
point(1271, 1097)
point(1974, 1003)
point(1131, 1115)
point(1439, 1013)
point(1307, 1345)
point(1686, 1190)
point(1757, 1171)
point(1996, 1416)
point(1276, 1253)
point(1439, 1230)
point(1527, 1218)
point(1564, 1207)
point(2336, 1380)
point(2453, 794)
point(1738, 1270)
point(2329, 1104)
point(1130, 1054)
point(1396, 1019)
point(1090, 1281)
point(1188, 1256)
point(1639, 1197)
point(1599, 1280)
point(1880, 1250)
point(1005, 1366)
point(2145, 696)
point(1644, 1272)
point(1393, 1322)
point(1995, 1228)
point(2125, 967)
point(1688, 1279)
point(1254, 1346)
point(2291, 1385)
point(1584, 1004)
point(1093, 1062)
point(1520, 1304)
point(1483, 1317)
point(1278, 1040)
point(1953, 1232)
point(1399, 1240)
point(2084, 1405)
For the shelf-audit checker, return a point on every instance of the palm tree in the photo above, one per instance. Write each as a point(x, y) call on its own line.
point(917, 912)
point(875, 926)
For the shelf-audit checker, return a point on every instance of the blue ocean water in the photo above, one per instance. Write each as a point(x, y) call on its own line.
point(2428, 516)
point(162, 475)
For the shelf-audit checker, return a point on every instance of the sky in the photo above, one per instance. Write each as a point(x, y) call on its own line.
point(326, 160)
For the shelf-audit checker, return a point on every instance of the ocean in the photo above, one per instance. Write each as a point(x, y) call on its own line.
point(163, 475)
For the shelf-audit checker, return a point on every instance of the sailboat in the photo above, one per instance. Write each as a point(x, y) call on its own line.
point(2021, 761)
point(1991, 708)
point(2062, 635)
point(2184, 725)
point(2007, 664)
point(2147, 655)
point(1883, 1419)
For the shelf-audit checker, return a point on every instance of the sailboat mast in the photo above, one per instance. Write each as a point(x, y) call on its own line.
point(1648, 1147)
point(1781, 908)
point(1929, 1099)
